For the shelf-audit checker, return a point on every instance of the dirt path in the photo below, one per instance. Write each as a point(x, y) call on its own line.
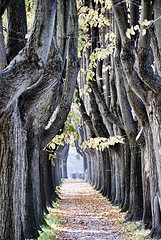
point(85, 214)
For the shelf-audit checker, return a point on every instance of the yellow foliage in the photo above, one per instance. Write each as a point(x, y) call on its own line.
point(144, 32)
point(130, 31)
point(101, 143)
point(145, 23)
point(136, 27)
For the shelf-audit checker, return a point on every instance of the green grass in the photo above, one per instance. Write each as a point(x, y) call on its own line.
point(132, 230)
point(50, 229)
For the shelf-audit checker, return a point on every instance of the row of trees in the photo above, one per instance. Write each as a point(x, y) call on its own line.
point(38, 77)
point(119, 93)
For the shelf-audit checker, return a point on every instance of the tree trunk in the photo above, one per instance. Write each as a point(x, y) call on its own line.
point(17, 28)
point(3, 56)
point(13, 175)
point(126, 171)
point(27, 102)
point(136, 199)
point(153, 136)
point(63, 160)
point(107, 174)
point(146, 155)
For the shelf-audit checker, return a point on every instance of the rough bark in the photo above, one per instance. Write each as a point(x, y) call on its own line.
point(146, 85)
point(3, 6)
point(31, 59)
point(13, 174)
point(3, 56)
point(28, 181)
point(17, 28)
point(63, 107)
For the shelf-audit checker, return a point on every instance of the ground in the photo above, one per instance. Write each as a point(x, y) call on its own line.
point(83, 213)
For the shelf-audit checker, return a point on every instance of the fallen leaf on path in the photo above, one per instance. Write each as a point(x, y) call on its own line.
point(85, 214)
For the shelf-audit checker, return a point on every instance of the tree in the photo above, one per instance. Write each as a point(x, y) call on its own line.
point(31, 88)
point(110, 114)
point(126, 89)
point(144, 82)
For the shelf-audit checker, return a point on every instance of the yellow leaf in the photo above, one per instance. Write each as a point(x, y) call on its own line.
point(128, 33)
point(136, 27)
point(89, 90)
point(146, 23)
point(132, 31)
point(143, 32)
point(103, 145)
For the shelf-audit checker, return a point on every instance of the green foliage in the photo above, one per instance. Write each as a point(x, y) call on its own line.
point(101, 53)
point(49, 230)
point(30, 5)
point(45, 236)
point(52, 220)
point(70, 128)
point(97, 55)
point(51, 158)
point(69, 135)
point(4, 23)
point(57, 191)
point(88, 18)
point(133, 230)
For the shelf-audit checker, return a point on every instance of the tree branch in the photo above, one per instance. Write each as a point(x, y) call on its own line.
point(127, 50)
point(120, 13)
point(3, 56)
point(103, 107)
point(63, 108)
point(155, 35)
point(134, 100)
point(28, 65)
point(102, 128)
point(62, 26)
point(123, 100)
point(49, 81)
point(3, 5)
point(144, 54)
point(146, 13)
point(16, 27)
point(86, 118)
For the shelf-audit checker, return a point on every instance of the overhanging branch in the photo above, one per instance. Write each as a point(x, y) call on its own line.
point(29, 64)
point(103, 107)
point(63, 108)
